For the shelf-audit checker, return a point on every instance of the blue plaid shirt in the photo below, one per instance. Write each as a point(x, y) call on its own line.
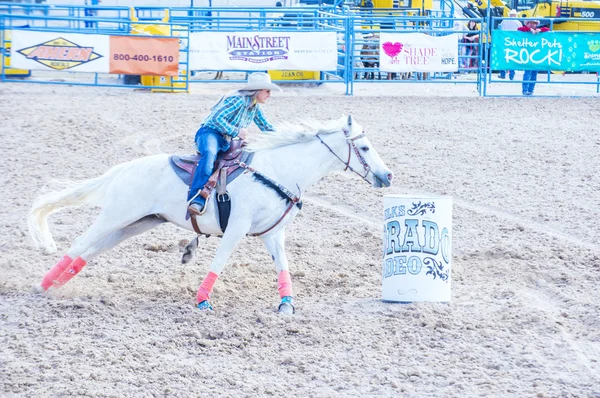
point(234, 113)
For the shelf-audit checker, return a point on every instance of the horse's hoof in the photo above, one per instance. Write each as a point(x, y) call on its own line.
point(205, 306)
point(187, 256)
point(286, 309)
point(50, 249)
point(188, 251)
point(287, 305)
point(38, 289)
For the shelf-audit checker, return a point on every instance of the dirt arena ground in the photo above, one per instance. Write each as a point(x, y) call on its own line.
point(524, 319)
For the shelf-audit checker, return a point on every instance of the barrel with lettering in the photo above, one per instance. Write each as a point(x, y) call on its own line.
point(417, 248)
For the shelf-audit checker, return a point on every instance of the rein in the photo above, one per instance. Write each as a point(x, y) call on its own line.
point(351, 145)
point(294, 200)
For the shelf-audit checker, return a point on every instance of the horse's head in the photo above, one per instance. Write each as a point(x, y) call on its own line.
point(362, 157)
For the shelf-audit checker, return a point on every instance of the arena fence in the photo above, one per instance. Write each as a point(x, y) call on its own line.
point(359, 38)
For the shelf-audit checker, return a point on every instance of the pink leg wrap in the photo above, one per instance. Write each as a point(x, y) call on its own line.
point(74, 268)
point(55, 272)
point(206, 287)
point(285, 284)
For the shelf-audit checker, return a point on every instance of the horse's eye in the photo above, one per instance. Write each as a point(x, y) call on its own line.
point(364, 149)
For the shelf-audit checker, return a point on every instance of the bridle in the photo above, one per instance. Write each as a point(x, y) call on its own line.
point(351, 145)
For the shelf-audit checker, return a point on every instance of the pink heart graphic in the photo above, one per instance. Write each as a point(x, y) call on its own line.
point(392, 49)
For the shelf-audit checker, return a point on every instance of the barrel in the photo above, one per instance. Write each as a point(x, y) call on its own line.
point(417, 248)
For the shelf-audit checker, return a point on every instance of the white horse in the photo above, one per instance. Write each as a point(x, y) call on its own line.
point(138, 195)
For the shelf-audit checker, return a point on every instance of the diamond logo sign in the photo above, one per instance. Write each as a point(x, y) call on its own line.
point(60, 54)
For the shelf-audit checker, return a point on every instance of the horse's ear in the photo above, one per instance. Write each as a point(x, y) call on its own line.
point(349, 120)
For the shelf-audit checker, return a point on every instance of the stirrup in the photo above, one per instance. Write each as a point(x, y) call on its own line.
point(191, 202)
point(202, 211)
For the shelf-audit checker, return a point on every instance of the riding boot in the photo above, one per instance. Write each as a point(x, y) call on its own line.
point(198, 206)
point(197, 203)
point(196, 186)
point(209, 143)
point(204, 169)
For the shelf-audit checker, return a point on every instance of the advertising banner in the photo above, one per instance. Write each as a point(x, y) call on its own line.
point(573, 52)
point(263, 51)
point(144, 55)
point(418, 52)
point(59, 51)
point(75, 52)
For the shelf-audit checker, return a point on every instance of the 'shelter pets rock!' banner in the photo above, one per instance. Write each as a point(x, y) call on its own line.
point(571, 52)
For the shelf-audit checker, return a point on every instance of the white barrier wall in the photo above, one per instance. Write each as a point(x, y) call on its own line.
point(417, 248)
point(263, 50)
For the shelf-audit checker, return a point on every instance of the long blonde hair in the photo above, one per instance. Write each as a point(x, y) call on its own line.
point(237, 93)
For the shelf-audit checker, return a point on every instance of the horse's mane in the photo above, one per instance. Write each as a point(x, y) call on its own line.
point(287, 133)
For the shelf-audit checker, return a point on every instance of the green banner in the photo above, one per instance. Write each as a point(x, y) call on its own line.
point(573, 52)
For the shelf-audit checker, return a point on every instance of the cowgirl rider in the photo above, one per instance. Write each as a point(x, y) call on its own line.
point(228, 119)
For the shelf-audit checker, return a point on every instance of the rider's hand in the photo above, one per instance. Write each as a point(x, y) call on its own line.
point(243, 134)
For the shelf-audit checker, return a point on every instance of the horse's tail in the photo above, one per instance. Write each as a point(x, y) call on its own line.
point(73, 193)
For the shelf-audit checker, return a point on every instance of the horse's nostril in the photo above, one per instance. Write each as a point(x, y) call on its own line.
point(390, 177)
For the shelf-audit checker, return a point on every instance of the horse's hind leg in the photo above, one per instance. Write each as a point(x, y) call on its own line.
point(97, 239)
point(231, 238)
point(275, 245)
point(72, 262)
point(138, 227)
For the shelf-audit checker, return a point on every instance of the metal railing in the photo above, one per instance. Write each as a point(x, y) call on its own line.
point(356, 30)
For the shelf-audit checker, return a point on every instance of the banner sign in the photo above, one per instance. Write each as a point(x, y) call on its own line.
point(573, 52)
point(263, 51)
point(418, 52)
point(75, 52)
point(144, 55)
point(59, 51)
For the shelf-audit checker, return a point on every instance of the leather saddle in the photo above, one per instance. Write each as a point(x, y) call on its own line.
point(225, 168)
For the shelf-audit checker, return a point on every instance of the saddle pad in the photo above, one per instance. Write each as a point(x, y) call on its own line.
point(183, 165)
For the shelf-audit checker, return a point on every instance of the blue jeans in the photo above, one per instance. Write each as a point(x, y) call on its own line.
point(511, 74)
point(209, 143)
point(529, 79)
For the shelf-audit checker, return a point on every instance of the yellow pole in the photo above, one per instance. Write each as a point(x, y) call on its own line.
point(132, 15)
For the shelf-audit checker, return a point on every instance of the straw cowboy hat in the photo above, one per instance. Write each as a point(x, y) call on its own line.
point(512, 13)
point(535, 21)
point(260, 81)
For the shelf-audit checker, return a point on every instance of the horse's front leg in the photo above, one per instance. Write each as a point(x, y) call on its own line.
point(275, 244)
point(231, 238)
